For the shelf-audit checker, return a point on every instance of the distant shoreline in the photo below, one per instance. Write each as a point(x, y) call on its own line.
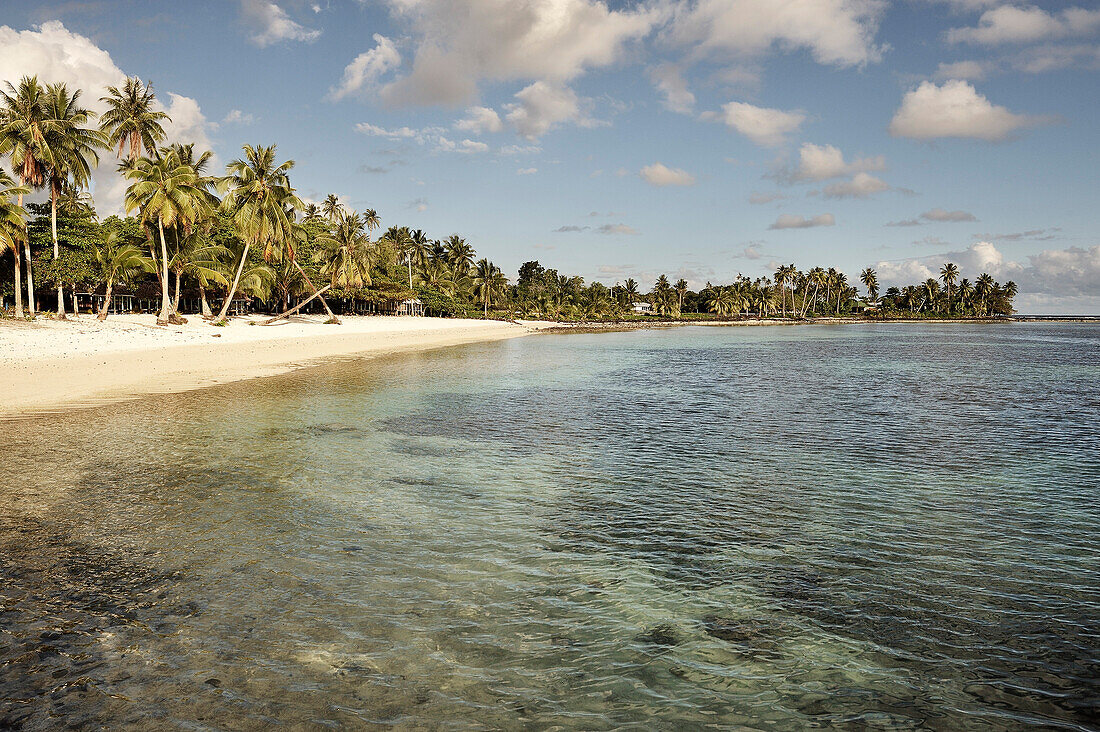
point(49, 366)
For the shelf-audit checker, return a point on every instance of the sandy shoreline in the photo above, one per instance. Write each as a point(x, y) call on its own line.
point(49, 366)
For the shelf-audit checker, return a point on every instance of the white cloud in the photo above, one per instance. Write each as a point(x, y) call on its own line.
point(659, 174)
point(520, 150)
point(367, 128)
point(1053, 276)
point(862, 185)
point(942, 215)
point(764, 126)
point(459, 44)
point(56, 54)
point(465, 146)
point(955, 109)
point(363, 74)
point(669, 81)
point(1012, 24)
point(760, 198)
point(480, 120)
point(971, 70)
point(1052, 57)
point(836, 32)
point(271, 24)
point(822, 162)
point(542, 106)
point(237, 117)
point(527, 171)
point(791, 221)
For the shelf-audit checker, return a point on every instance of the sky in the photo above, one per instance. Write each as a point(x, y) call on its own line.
point(696, 138)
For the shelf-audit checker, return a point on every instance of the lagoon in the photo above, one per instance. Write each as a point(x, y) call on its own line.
point(874, 526)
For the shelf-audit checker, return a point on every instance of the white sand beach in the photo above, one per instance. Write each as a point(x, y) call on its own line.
point(49, 365)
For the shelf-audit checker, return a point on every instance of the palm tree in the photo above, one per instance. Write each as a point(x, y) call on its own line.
point(630, 291)
point(196, 258)
point(371, 220)
point(721, 300)
point(70, 153)
point(460, 255)
point(23, 137)
point(983, 286)
point(420, 248)
point(118, 262)
point(168, 193)
point(346, 254)
point(869, 278)
point(311, 212)
point(488, 283)
point(130, 120)
point(681, 288)
point(261, 202)
point(332, 208)
point(13, 229)
point(949, 273)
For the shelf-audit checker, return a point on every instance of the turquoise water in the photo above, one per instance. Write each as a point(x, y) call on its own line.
point(881, 527)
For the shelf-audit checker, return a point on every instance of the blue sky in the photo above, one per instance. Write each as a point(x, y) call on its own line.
point(699, 138)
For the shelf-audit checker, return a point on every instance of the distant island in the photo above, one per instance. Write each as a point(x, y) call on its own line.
point(245, 241)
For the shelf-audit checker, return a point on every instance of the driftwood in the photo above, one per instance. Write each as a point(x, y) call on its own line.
point(297, 307)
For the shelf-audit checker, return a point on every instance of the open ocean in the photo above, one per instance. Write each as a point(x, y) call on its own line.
point(856, 527)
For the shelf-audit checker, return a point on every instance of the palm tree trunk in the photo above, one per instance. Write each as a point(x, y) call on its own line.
point(205, 305)
point(297, 307)
point(18, 269)
point(106, 301)
point(233, 287)
point(165, 302)
point(56, 253)
point(27, 256)
point(331, 316)
point(176, 302)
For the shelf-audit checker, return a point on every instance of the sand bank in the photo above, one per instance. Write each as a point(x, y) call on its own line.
point(48, 366)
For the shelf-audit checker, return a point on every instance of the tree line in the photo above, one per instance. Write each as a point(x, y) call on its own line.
point(246, 235)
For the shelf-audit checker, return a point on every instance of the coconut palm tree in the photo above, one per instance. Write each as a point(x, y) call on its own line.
point(949, 273)
point(983, 286)
point(23, 138)
point(261, 202)
point(118, 261)
point(166, 193)
point(195, 258)
point(869, 278)
point(721, 300)
point(489, 283)
point(346, 254)
point(70, 154)
point(681, 288)
point(460, 255)
point(371, 220)
point(131, 121)
point(13, 229)
point(332, 208)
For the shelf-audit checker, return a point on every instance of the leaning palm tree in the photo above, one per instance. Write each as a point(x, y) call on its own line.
point(949, 273)
point(166, 193)
point(118, 261)
point(70, 154)
point(131, 121)
point(261, 202)
point(23, 138)
point(13, 229)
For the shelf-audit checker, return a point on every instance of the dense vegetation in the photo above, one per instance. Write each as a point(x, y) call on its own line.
point(193, 240)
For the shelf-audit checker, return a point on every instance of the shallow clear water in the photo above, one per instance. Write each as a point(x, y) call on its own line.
point(885, 527)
